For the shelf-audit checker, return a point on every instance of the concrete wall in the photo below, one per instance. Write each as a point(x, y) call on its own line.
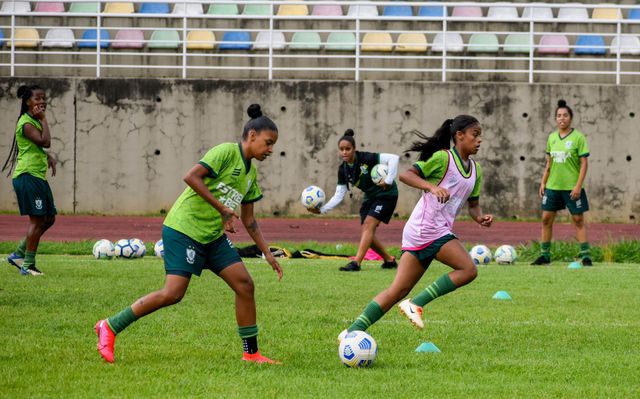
point(124, 145)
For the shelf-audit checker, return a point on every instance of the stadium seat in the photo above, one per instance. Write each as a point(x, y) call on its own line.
point(483, 43)
point(84, 8)
point(634, 13)
point(15, 6)
point(201, 40)
point(169, 39)
point(305, 41)
point(189, 9)
point(590, 45)
point(90, 39)
point(628, 45)
point(341, 41)
point(554, 44)
point(397, 11)
point(223, 9)
point(49, 7)
point(293, 9)
point(128, 38)
point(431, 11)
point(517, 43)
point(256, 9)
point(538, 13)
point(262, 41)
point(331, 10)
point(59, 37)
point(119, 8)
point(26, 38)
point(1, 38)
point(576, 13)
point(411, 43)
point(377, 41)
point(236, 41)
point(154, 8)
point(366, 11)
point(454, 43)
point(467, 12)
point(503, 12)
point(606, 13)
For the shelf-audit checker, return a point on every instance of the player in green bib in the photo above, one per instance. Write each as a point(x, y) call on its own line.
point(194, 236)
point(562, 180)
point(31, 162)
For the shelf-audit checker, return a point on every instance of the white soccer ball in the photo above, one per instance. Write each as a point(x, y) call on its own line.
point(358, 349)
point(505, 255)
point(104, 249)
point(480, 254)
point(124, 249)
point(379, 173)
point(312, 197)
point(158, 249)
point(140, 250)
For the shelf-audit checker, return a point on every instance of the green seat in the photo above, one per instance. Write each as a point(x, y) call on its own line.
point(341, 41)
point(517, 43)
point(223, 9)
point(84, 7)
point(164, 39)
point(483, 43)
point(305, 41)
point(256, 9)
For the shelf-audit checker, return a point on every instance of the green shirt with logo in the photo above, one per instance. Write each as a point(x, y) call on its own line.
point(359, 174)
point(231, 179)
point(32, 158)
point(434, 169)
point(565, 153)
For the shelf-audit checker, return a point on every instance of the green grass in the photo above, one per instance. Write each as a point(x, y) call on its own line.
point(567, 333)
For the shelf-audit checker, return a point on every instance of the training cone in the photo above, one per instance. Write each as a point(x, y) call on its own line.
point(574, 265)
point(504, 295)
point(427, 347)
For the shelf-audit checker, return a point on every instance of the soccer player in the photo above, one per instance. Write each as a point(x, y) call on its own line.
point(562, 180)
point(31, 162)
point(194, 236)
point(447, 179)
point(379, 201)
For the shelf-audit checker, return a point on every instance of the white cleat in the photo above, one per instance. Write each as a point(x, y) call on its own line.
point(413, 312)
point(342, 335)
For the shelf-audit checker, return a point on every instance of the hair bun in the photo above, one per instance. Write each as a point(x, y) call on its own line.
point(562, 103)
point(349, 132)
point(22, 90)
point(254, 111)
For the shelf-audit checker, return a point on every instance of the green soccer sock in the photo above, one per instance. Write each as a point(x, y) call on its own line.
point(585, 250)
point(122, 320)
point(442, 286)
point(29, 259)
point(22, 248)
point(249, 335)
point(545, 248)
point(372, 313)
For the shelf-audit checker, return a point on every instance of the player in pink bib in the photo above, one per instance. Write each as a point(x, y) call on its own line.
point(448, 178)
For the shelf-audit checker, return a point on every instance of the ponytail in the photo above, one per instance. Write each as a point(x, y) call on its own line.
point(258, 121)
point(24, 93)
point(441, 139)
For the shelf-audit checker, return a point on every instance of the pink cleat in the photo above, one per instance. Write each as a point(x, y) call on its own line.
point(258, 358)
point(106, 340)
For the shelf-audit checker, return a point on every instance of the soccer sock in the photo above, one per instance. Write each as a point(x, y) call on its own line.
point(372, 313)
point(249, 335)
point(545, 248)
point(122, 320)
point(29, 259)
point(442, 286)
point(22, 248)
point(584, 250)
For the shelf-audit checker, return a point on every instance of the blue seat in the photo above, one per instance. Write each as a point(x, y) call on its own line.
point(155, 8)
point(90, 39)
point(1, 38)
point(431, 11)
point(397, 11)
point(634, 13)
point(594, 45)
point(242, 39)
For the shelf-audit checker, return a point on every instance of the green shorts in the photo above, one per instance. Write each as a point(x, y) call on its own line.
point(34, 196)
point(184, 256)
point(427, 254)
point(557, 200)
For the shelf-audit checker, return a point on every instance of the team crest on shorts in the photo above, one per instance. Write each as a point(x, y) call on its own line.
point(191, 255)
point(38, 203)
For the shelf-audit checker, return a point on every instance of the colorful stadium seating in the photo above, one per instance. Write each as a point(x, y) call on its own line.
point(366, 11)
point(154, 8)
point(236, 41)
point(517, 43)
point(49, 7)
point(15, 6)
point(331, 10)
point(119, 8)
point(278, 41)
point(256, 9)
point(503, 12)
point(590, 45)
point(431, 11)
point(201, 40)
point(84, 8)
point(129, 38)
point(634, 13)
point(542, 12)
point(483, 43)
point(467, 12)
point(628, 45)
point(223, 9)
point(397, 11)
point(293, 9)
point(573, 14)
point(164, 39)
point(606, 13)
point(453, 43)
point(189, 9)
point(305, 41)
point(341, 41)
point(26, 38)
point(553, 44)
point(90, 39)
point(1, 38)
point(59, 37)
point(378, 41)
point(411, 43)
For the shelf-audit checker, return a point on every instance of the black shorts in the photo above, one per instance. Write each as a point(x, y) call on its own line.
point(380, 208)
point(34, 196)
point(557, 200)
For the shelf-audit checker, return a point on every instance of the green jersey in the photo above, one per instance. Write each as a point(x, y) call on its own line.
point(231, 179)
point(434, 169)
point(359, 174)
point(565, 153)
point(31, 157)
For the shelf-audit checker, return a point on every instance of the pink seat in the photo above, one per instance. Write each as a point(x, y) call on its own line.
point(467, 12)
point(128, 38)
point(49, 7)
point(554, 44)
point(327, 10)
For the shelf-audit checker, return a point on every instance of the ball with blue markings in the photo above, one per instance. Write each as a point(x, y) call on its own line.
point(312, 197)
point(358, 349)
point(480, 254)
point(505, 255)
point(124, 249)
point(158, 249)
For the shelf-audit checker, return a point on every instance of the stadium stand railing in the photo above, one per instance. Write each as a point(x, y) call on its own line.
point(358, 40)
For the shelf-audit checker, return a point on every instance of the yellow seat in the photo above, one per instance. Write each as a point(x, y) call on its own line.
point(377, 42)
point(26, 38)
point(201, 40)
point(119, 8)
point(412, 42)
point(293, 9)
point(606, 13)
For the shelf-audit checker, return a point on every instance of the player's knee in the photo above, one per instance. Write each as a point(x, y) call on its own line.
point(471, 273)
point(49, 221)
point(579, 223)
point(547, 220)
point(246, 287)
point(171, 297)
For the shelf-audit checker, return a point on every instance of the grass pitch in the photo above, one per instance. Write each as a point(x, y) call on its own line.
point(566, 333)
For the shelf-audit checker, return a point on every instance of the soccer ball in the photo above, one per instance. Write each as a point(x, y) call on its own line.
point(140, 249)
point(312, 197)
point(124, 249)
point(358, 349)
point(103, 249)
point(480, 254)
point(505, 255)
point(158, 249)
point(379, 173)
